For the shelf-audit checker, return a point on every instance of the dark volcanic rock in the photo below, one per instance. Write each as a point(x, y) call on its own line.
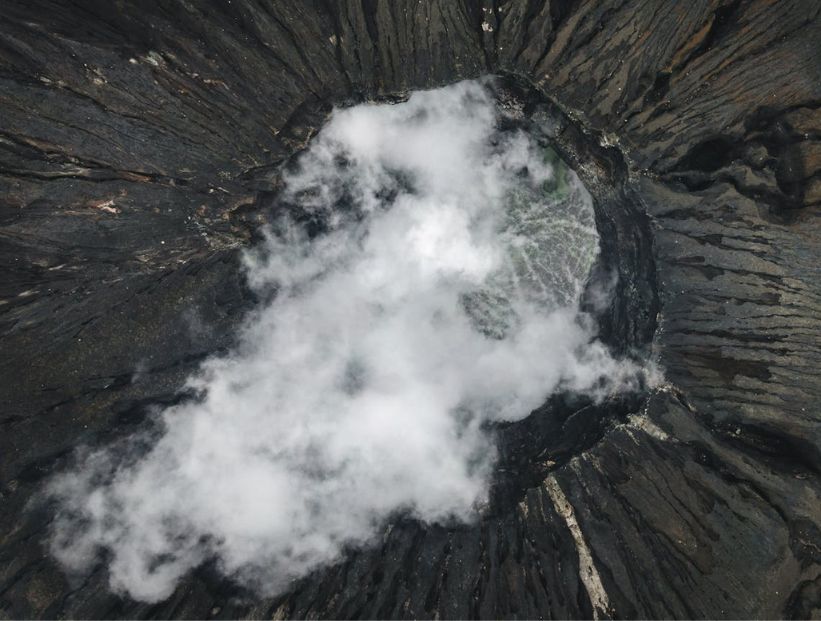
point(140, 141)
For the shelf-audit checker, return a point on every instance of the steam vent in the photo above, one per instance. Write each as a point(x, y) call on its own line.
point(354, 309)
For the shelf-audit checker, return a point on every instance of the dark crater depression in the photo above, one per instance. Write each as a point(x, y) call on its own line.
point(142, 150)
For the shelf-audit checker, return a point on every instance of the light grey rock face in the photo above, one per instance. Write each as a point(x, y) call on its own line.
point(551, 244)
point(551, 241)
point(141, 144)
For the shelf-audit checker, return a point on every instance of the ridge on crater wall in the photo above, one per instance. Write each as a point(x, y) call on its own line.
point(141, 141)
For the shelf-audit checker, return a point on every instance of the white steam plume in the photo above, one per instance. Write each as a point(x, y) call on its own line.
point(437, 293)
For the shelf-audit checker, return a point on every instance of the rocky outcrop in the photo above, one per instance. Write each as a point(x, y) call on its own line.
point(140, 146)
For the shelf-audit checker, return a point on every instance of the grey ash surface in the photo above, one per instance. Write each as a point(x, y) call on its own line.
point(140, 145)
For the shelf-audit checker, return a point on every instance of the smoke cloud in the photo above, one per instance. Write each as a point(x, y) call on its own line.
point(428, 269)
